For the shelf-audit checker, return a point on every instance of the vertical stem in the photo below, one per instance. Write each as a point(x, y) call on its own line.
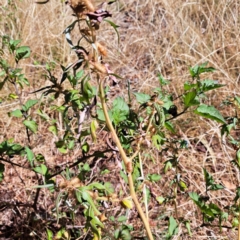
point(127, 163)
point(239, 220)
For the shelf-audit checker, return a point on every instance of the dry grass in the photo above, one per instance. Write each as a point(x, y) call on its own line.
point(155, 37)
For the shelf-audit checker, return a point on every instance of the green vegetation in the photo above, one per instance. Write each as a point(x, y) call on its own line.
point(85, 153)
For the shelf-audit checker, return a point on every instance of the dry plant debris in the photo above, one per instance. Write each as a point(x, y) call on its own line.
point(155, 37)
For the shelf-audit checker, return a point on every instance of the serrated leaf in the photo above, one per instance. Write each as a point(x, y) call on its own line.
point(16, 113)
point(207, 85)
point(142, 97)
point(30, 155)
point(30, 103)
point(32, 125)
point(210, 112)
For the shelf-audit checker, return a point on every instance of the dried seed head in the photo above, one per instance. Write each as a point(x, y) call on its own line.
point(101, 49)
point(89, 5)
point(99, 67)
point(80, 6)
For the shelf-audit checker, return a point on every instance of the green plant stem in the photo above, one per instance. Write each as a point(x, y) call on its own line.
point(127, 162)
point(140, 141)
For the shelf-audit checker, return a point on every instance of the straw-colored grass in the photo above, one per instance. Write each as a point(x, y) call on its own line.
point(155, 37)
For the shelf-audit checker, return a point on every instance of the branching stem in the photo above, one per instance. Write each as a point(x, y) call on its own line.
point(126, 160)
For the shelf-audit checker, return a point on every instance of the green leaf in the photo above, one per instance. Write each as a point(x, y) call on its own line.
point(50, 185)
point(238, 157)
point(109, 188)
point(71, 144)
point(30, 155)
point(157, 141)
point(22, 52)
point(189, 99)
point(2, 168)
point(86, 167)
point(42, 169)
point(125, 234)
point(198, 69)
point(127, 203)
point(96, 185)
point(10, 148)
point(85, 147)
point(43, 114)
point(167, 166)
point(13, 96)
point(188, 86)
point(162, 81)
point(172, 226)
point(101, 117)
point(194, 196)
point(210, 112)
point(40, 158)
point(142, 97)
point(124, 176)
point(182, 185)
point(235, 222)
point(187, 224)
point(207, 85)
point(120, 110)
point(13, 44)
point(32, 125)
point(93, 128)
point(160, 199)
point(49, 234)
point(122, 219)
point(86, 196)
point(29, 104)
point(210, 182)
point(154, 177)
point(63, 150)
point(53, 129)
point(16, 113)
point(115, 27)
